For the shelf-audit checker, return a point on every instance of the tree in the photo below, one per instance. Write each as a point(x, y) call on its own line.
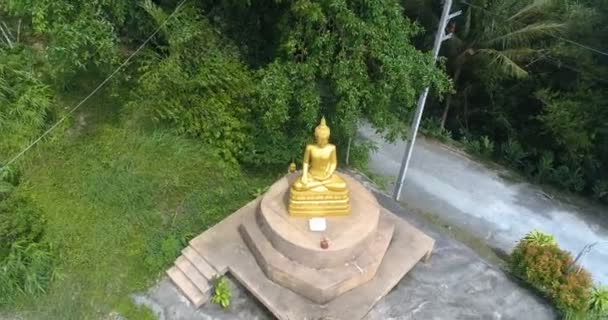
point(499, 37)
point(341, 59)
point(194, 79)
point(76, 36)
point(345, 60)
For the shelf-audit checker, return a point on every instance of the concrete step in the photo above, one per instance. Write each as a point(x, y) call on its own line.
point(187, 287)
point(202, 283)
point(200, 263)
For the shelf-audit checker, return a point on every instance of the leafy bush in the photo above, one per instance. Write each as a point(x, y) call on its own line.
point(26, 261)
point(221, 293)
point(333, 59)
point(25, 100)
point(483, 146)
point(28, 268)
point(600, 190)
point(196, 82)
point(75, 36)
point(20, 221)
point(544, 168)
point(9, 175)
point(568, 178)
point(9, 179)
point(540, 262)
point(160, 254)
point(599, 300)
point(431, 126)
point(514, 153)
point(539, 238)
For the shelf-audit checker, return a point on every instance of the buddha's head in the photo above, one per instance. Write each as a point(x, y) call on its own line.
point(322, 133)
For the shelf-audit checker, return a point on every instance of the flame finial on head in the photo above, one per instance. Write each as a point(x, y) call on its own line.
point(322, 128)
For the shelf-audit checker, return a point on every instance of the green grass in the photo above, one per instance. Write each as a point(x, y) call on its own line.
point(120, 202)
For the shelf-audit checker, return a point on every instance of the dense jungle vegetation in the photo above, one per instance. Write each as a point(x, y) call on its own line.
point(180, 135)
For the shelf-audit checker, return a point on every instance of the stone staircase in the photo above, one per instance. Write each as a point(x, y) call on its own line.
point(193, 275)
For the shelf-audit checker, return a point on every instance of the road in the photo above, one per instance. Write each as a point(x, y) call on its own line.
point(475, 198)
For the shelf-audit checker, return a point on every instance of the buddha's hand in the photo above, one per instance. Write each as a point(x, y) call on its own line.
point(304, 179)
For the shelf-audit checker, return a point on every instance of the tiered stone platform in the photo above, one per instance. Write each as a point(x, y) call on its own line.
point(278, 259)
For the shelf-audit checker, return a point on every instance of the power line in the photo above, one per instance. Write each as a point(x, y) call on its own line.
point(567, 66)
point(551, 35)
point(101, 85)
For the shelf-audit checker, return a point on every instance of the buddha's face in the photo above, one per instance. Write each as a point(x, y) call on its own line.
point(322, 139)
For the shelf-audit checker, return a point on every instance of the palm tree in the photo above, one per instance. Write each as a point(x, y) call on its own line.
point(500, 35)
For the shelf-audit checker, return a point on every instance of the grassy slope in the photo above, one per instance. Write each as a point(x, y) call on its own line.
point(121, 201)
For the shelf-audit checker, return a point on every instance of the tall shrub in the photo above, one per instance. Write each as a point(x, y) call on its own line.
point(548, 268)
point(25, 101)
point(26, 260)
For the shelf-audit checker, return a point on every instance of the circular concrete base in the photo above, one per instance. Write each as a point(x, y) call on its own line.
point(348, 236)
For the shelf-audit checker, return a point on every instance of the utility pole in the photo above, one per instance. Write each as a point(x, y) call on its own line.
point(439, 38)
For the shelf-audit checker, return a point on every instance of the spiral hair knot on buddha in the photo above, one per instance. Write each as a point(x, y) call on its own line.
point(322, 130)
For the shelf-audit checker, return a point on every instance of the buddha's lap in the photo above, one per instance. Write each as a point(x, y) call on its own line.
point(334, 183)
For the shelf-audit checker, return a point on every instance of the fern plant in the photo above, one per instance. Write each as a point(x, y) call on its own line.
point(221, 294)
point(514, 153)
point(544, 167)
point(599, 300)
point(600, 190)
point(539, 238)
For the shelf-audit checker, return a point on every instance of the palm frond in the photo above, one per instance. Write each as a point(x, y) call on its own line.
point(501, 61)
point(532, 8)
point(520, 54)
point(526, 35)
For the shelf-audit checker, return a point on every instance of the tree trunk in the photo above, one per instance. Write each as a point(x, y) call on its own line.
point(350, 140)
point(448, 100)
point(444, 117)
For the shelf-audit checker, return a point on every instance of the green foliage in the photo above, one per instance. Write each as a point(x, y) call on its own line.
point(120, 202)
point(431, 126)
point(514, 153)
point(129, 310)
point(9, 175)
point(20, 221)
point(359, 153)
point(483, 146)
point(567, 178)
point(599, 300)
point(221, 292)
point(160, 254)
point(564, 121)
point(26, 261)
point(75, 36)
point(544, 167)
point(541, 263)
point(539, 238)
point(600, 190)
point(341, 59)
point(196, 82)
point(27, 269)
point(541, 98)
point(25, 100)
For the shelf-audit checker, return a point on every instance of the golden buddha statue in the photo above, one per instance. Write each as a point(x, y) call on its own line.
point(319, 191)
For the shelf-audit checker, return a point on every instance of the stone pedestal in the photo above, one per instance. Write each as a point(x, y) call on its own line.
point(277, 258)
point(292, 256)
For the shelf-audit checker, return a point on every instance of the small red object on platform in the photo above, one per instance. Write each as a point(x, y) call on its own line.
point(324, 244)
